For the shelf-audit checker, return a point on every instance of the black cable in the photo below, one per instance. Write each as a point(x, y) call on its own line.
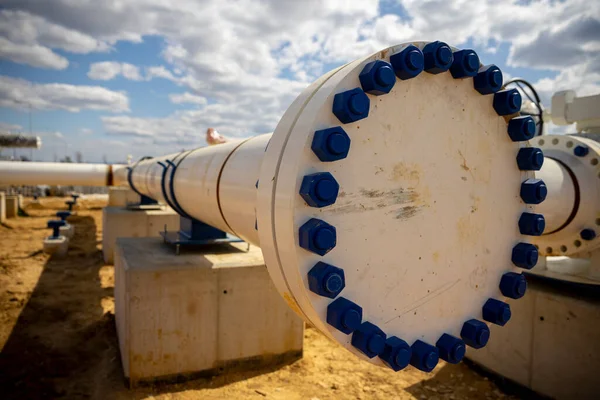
point(535, 100)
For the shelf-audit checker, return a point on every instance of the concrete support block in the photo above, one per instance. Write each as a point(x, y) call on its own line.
point(57, 247)
point(551, 344)
point(67, 231)
point(12, 206)
point(2, 207)
point(198, 313)
point(119, 222)
point(119, 196)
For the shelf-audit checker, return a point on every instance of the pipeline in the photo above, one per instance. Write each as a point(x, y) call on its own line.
point(20, 141)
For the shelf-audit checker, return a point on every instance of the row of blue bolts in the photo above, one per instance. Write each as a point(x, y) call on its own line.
point(321, 189)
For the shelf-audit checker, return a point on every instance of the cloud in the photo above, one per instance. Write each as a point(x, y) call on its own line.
point(21, 94)
point(107, 70)
point(187, 97)
point(86, 131)
point(34, 55)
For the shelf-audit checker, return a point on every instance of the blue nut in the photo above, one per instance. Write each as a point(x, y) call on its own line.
point(533, 191)
point(524, 255)
point(452, 349)
point(587, 234)
point(488, 80)
point(530, 159)
point(377, 77)
point(317, 236)
point(63, 215)
point(496, 311)
point(513, 285)
point(437, 57)
point(424, 356)
point(465, 64)
point(319, 190)
point(507, 102)
point(396, 353)
point(369, 339)
point(581, 151)
point(351, 105)
point(475, 333)
point(344, 315)
point(408, 63)
point(331, 144)
point(326, 280)
point(532, 224)
point(521, 129)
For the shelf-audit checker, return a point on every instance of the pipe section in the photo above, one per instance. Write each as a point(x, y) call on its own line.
point(560, 202)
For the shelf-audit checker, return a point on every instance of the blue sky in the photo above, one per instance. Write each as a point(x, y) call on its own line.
point(146, 78)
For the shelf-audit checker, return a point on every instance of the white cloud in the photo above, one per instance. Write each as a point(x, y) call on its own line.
point(6, 127)
point(159, 72)
point(107, 70)
point(86, 131)
point(187, 97)
point(21, 94)
point(34, 55)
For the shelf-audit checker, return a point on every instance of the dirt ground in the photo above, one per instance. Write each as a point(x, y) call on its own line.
point(58, 337)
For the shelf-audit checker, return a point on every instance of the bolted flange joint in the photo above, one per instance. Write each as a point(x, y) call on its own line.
point(513, 285)
point(331, 144)
point(326, 280)
point(532, 224)
point(368, 339)
point(437, 57)
point(317, 236)
point(488, 79)
point(524, 255)
point(377, 78)
point(351, 105)
point(396, 353)
point(533, 191)
point(530, 159)
point(507, 102)
point(424, 356)
point(319, 189)
point(465, 64)
point(452, 349)
point(475, 333)
point(496, 312)
point(344, 315)
point(408, 63)
point(521, 129)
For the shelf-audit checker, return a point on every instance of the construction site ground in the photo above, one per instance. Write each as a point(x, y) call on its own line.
point(58, 337)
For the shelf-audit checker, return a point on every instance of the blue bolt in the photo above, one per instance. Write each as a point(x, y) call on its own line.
point(587, 234)
point(396, 353)
point(521, 129)
point(452, 349)
point(344, 315)
point(326, 280)
point(532, 224)
point(424, 356)
point(317, 236)
point(513, 285)
point(368, 339)
point(408, 63)
point(530, 159)
point(581, 151)
point(496, 312)
point(533, 191)
point(437, 57)
point(55, 225)
point(507, 102)
point(331, 144)
point(319, 189)
point(256, 185)
point(377, 78)
point(524, 255)
point(488, 80)
point(465, 64)
point(475, 333)
point(351, 105)
point(70, 204)
point(63, 215)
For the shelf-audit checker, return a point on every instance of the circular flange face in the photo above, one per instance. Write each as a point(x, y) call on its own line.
point(427, 212)
point(585, 169)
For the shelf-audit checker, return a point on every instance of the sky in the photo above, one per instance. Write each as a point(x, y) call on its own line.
point(113, 78)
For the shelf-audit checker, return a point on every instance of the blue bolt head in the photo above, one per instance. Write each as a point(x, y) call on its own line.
point(326, 280)
point(530, 159)
point(437, 57)
point(408, 63)
point(344, 315)
point(424, 356)
point(533, 191)
point(496, 311)
point(488, 80)
point(532, 224)
point(377, 78)
point(351, 105)
point(368, 339)
point(452, 349)
point(319, 190)
point(331, 144)
point(521, 129)
point(581, 151)
point(507, 102)
point(465, 64)
point(396, 353)
point(587, 234)
point(54, 223)
point(475, 333)
point(513, 285)
point(524, 255)
point(63, 215)
point(317, 236)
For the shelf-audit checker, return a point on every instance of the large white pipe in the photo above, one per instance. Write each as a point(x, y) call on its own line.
point(62, 174)
point(561, 200)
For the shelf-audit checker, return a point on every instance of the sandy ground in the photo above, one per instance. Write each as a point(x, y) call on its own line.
point(58, 338)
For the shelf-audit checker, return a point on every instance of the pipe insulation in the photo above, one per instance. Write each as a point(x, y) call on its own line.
point(20, 141)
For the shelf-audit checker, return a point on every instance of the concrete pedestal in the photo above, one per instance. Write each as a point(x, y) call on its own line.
point(2, 207)
point(67, 231)
point(12, 206)
point(119, 222)
point(121, 196)
point(57, 247)
point(551, 344)
point(198, 314)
